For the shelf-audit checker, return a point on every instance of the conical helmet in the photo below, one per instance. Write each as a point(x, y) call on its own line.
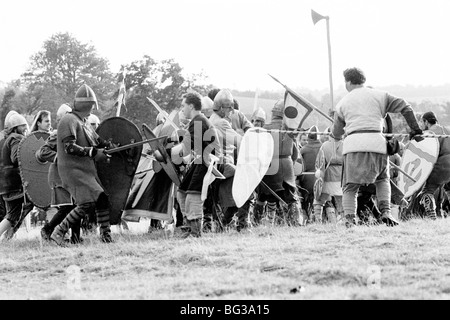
point(259, 114)
point(312, 134)
point(84, 98)
point(16, 120)
point(224, 96)
point(8, 117)
point(278, 109)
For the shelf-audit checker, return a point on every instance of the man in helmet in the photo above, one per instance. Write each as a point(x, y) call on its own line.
point(2, 202)
point(259, 118)
point(330, 154)
point(238, 120)
point(440, 175)
point(78, 149)
point(61, 198)
point(362, 113)
point(309, 154)
point(280, 177)
point(230, 141)
point(17, 203)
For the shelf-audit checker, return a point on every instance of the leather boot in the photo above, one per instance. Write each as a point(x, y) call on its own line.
point(350, 220)
point(271, 212)
point(258, 212)
point(429, 204)
point(318, 211)
point(331, 214)
point(59, 232)
point(194, 230)
point(71, 219)
point(242, 216)
point(293, 216)
point(105, 227)
point(386, 215)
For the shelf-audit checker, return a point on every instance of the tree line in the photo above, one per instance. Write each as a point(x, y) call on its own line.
point(56, 72)
point(64, 63)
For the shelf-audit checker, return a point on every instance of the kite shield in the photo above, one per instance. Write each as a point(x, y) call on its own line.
point(34, 174)
point(167, 164)
point(116, 174)
point(418, 161)
point(254, 158)
point(320, 167)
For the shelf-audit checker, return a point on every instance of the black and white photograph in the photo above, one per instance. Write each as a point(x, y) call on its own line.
point(225, 158)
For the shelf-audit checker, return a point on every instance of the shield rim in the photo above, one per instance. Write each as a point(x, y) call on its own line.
point(416, 185)
point(25, 183)
point(168, 167)
point(237, 172)
point(116, 219)
point(318, 184)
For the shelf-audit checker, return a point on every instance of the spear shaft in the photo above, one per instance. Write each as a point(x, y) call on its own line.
point(132, 145)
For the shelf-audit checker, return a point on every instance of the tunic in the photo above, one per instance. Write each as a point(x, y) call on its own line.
point(78, 174)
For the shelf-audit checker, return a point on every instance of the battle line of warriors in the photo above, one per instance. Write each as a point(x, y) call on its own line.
point(206, 167)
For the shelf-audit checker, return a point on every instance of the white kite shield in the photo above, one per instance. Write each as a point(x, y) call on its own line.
point(254, 158)
point(418, 161)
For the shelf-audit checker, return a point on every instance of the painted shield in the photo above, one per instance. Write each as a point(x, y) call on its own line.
point(296, 109)
point(146, 130)
point(167, 164)
point(116, 174)
point(34, 174)
point(254, 158)
point(320, 166)
point(417, 161)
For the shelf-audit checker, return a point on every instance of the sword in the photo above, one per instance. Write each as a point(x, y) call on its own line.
point(143, 171)
point(132, 145)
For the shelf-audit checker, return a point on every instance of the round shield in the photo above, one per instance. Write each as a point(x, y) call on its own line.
point(34, 173)
point(116, 174)
point(417, 161)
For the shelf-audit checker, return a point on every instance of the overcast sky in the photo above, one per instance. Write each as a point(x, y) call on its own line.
point(236, 43)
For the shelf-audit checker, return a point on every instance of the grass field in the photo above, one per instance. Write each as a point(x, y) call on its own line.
point(411, 261)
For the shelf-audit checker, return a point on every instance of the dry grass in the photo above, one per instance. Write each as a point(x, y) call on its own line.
point(411, 261)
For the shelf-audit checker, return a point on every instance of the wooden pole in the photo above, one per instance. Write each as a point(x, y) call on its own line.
point(330, 72)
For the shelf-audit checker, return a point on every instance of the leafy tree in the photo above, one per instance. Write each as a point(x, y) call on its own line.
point(6, 105)
point(59, 69)
point(162, 81)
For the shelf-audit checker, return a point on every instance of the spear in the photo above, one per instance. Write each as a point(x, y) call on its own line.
point(388, 135)
point(164, 113)
point(309, 104)
point(132, 145)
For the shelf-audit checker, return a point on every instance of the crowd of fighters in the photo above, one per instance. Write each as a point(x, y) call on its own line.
point(354, 156)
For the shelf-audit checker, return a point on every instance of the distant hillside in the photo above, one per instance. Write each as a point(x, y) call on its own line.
point(417, 94)
point(246, 106)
